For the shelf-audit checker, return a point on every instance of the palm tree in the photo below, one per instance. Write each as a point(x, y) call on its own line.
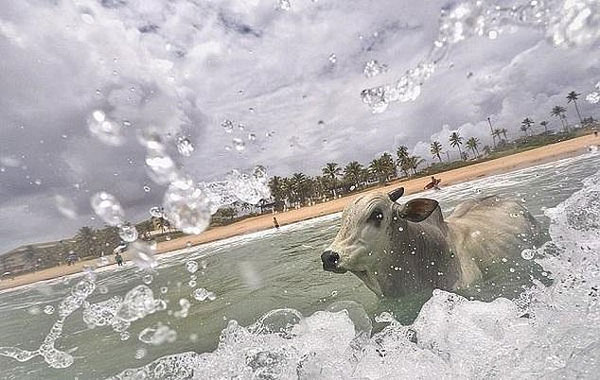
point(353, 173)
point(544, 124)
point(162, 223)
point(86, 241)
point(299, 185)
point(524, 129)
point(572, 97)
point(402, 152)
point(414, 162)
point(276, 185)
point(526, 124)
point(387, 161)
point(377, 169)
point(492, 130)
point(436, 150)
point(332, 171)
point(456, 141)
point(473, 143)
point(559, 112)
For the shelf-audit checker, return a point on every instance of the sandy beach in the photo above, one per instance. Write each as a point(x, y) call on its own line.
point(501, 165)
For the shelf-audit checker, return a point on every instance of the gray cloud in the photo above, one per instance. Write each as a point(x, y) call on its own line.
point(182, 67)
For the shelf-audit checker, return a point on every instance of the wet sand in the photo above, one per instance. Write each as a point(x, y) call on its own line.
point(501, 165)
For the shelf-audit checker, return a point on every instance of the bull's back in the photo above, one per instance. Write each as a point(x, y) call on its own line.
point(489, 229)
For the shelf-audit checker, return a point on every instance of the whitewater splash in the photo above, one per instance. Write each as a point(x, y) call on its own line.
point(546, 332)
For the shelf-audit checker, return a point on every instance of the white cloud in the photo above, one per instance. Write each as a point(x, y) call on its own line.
point(184, 66)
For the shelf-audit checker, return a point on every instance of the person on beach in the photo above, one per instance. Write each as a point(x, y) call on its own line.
point(275, 223)
point(117, 252)
point(119, 259)
point(433, 184)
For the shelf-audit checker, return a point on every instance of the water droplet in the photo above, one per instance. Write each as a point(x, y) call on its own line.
point(107, 207)
point(187, 207)
point(162, 168)
point(147, 188)
point(128, 233)
point(251, 136)
point(185, 147)
point(49, 309)
point(191, 266)
point(157, 335)
point(105, 130)
point(332, 58)
point(202, 294)
point(185, 307)
point(492, 34)
point(284, 5)
point(140, 353)
point(142, 255)
point(192, 283)
point(593, 97)
point(156, 212)
point(164, 290)
point(528, 254)
point(227, 125)
point(65, 206)
point(147, 279)
point(373, 68)
point(99, 116)
point(384, 317)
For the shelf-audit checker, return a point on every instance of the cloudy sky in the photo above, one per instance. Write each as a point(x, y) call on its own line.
point(292, 78)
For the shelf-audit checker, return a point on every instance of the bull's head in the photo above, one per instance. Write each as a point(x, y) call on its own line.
point(369, 225)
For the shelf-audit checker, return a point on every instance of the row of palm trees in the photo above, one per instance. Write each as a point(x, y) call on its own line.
point(300, 189)
point(559, 112)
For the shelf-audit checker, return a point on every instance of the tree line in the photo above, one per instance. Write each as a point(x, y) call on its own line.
point(300, 189)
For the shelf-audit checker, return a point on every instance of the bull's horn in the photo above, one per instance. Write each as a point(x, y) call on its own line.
point(396, 194)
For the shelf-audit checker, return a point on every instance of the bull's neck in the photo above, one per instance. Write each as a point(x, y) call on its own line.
point(420, 258)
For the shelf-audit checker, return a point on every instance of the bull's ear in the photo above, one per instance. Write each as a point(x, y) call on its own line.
point(418, 209)
point(396, 194)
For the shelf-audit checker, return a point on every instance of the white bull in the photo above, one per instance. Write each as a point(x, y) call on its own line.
point(401, 249)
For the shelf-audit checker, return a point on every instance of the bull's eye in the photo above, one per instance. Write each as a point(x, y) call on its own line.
point(376, 217)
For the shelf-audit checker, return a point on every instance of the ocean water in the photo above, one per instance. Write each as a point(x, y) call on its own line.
point(276, 314)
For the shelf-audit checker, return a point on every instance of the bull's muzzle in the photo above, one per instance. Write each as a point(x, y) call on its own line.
point(330, 261)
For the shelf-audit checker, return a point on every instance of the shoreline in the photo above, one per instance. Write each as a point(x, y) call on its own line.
point(528, 158)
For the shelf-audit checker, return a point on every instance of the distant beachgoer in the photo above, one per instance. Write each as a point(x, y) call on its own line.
point(119, 259)
point(275, 223)
point(596, 133)
point(433, 184)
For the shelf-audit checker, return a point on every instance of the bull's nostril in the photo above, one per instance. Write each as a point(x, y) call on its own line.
point(330, 258)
